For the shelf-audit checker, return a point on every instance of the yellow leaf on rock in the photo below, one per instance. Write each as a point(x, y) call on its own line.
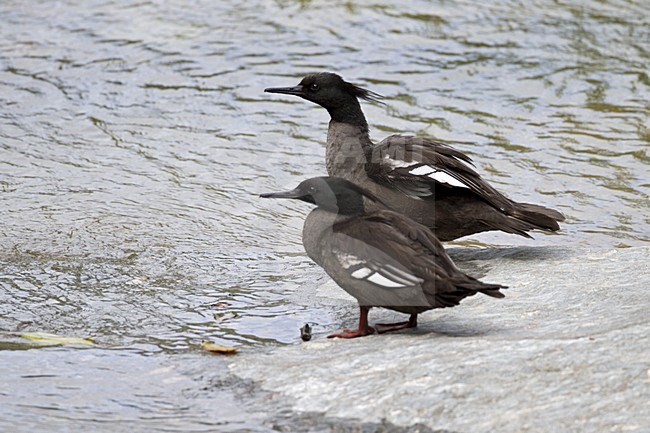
point(53, 339)
point(215, 348)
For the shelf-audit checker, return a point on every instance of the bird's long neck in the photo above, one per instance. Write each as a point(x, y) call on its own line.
point(348, 143)
point(349, 113)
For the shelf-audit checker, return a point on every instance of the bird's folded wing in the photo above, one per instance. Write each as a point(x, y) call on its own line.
point(417, 165)
point(386, 251)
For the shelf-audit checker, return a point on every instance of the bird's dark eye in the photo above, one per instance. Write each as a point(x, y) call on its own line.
point(314, 87)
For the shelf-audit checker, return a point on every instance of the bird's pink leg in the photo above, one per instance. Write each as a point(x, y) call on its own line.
point(387, 327)
point(363, 330)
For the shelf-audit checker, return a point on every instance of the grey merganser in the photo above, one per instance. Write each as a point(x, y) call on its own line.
point(380, 257)
point(429, 181)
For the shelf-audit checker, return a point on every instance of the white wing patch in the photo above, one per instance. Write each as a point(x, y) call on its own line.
point(443, 177)
point(375, 278)
point(380, 280)
point(437, 175)
point(422, 170)
point(361, 273)
point(385, 276)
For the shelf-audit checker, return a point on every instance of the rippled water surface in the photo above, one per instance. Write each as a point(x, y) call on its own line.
point(134, 137)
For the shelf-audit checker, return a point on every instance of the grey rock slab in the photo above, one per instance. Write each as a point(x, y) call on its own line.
point(566, 350)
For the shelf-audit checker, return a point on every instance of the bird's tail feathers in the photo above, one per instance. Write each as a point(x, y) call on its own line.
point(537, 216)
point(485, 288)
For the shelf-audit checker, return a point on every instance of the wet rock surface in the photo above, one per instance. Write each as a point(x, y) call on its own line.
point(566, 350)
